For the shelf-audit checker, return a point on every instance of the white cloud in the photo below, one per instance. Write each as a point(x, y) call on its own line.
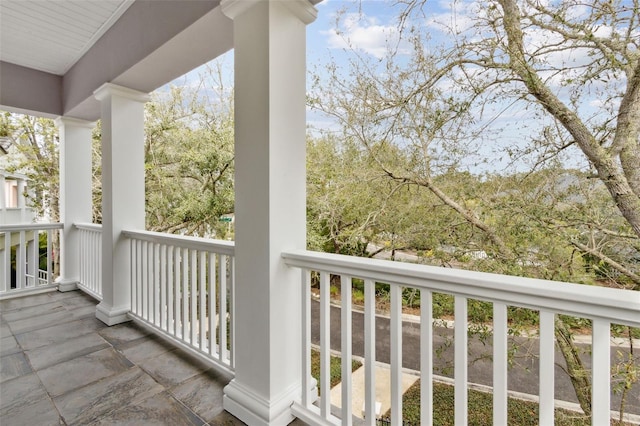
point(364, 34)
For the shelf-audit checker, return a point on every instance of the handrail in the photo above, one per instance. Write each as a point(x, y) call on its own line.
point(30, 227)
point(194, 243)
point(619, 306)
point(88, 226)
point(20, 256)
point(90, 255)
point(604, 306)
point(183, 289)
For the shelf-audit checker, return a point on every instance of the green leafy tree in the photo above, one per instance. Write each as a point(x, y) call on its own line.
point(444, 106)
point(35, 154)
point(189, 158)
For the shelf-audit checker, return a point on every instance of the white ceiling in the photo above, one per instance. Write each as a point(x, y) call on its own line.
point(52, 35)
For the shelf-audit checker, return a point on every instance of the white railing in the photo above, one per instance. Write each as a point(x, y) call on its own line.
point(90, 252)
point(604, 306)
point(16, 215)
point(22, 247)
point(183, 288)
point(43, 277)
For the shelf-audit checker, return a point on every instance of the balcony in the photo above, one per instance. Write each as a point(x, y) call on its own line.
point(13, 205)
point(60, 364)
point(239, 313)
point(179, 348)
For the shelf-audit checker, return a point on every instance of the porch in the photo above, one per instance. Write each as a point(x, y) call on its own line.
point(184, 331)
point(60, 365)
point(236, 315)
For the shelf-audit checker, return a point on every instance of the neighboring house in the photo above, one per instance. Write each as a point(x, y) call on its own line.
point(5, 143)
point(13, 205)
point(14, 211)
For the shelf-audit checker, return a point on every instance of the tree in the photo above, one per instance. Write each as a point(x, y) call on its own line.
point(342, 207)
point(189, 157)
point(36, 156)
point(441, 98)
point(521, 55)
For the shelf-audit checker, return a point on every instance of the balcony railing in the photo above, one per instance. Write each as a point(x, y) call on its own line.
point(603, 306)
point(183, 287)
point(13, 215)
point(90, 248)
point(26, 258)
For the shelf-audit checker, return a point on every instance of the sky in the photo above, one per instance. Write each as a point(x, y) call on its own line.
point(369, 26)
point(369, 34)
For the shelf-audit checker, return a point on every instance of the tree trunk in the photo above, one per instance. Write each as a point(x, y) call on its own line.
point(609, 172)
point(575, 368)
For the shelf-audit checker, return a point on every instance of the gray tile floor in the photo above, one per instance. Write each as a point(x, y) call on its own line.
point(59, 365)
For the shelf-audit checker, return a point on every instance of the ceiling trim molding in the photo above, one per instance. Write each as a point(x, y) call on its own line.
point(109, 89)
point(101, 31)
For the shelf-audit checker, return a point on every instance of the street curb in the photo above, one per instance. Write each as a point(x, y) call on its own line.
point(565, 405)
point(584, 339)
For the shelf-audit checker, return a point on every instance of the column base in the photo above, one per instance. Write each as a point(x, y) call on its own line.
point(110, 315)
point(254, 409)
point(65, 285)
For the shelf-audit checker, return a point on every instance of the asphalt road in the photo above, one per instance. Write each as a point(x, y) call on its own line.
point(522, 374)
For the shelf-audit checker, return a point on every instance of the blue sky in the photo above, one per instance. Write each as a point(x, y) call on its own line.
point(369, 34)
point(369, 25)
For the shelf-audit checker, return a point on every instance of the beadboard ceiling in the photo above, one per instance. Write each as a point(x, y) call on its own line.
point(52, 35)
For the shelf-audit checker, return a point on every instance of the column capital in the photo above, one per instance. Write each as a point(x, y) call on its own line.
point(302, 9)
point(109, 89)
point(75, 122)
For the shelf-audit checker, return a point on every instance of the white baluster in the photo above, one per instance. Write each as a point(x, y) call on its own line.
point(601, 373)
point(426, 357)
point(170, 291)
point(346, 335)
point(396, 355)
point(547, 368)
point(156, 284)
point(461, 366)
point(193, 288)
point(212, 303)
point(230, 309)
point(370, 350)
point(325, 342)
point(306, 337)
point(222, 321)
point(500, 364)
point(185, 295)
point(202, 297)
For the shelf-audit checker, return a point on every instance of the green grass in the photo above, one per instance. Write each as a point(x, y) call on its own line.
point(480, 411)
point(480, 408)
point(335, 368)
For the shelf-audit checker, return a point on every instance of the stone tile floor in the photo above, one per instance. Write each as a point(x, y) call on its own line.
point(59, 365)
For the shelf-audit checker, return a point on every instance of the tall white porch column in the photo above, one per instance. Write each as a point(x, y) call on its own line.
point(122, 193)
point(270, 205)
point(5, 278)
point(75, 194)
point(22, 200)
point(3, 202)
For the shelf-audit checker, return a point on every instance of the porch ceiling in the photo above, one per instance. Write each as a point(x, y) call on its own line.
point(52, 36)
point(55, 53)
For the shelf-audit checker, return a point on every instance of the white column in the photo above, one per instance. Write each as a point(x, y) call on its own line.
point(22, 202)
point(33, 266)
point(5, 277)
point(270, 205)
point(3, 200)
point(122, 193)
point(75, 194)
